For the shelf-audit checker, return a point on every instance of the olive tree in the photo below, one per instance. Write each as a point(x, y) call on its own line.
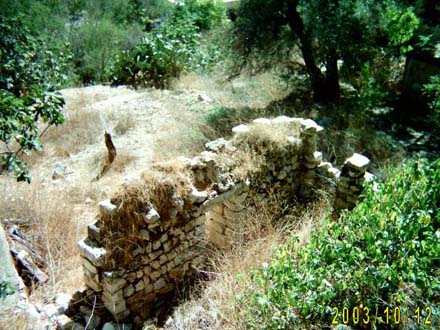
point(325, 31)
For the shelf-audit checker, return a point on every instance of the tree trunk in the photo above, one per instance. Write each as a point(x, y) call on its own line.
point(332, 89)
point(325, 89)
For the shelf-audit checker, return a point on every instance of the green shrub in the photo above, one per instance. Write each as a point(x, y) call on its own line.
point(29, 73)
point(161, 55)
point(94, 44)
point(432, 91)
point(383, 254)
point(206, 13)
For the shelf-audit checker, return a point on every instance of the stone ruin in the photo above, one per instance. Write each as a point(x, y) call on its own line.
point(153, 235)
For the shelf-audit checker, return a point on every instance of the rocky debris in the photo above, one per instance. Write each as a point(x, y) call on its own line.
point(219, 145)
point(27, 260)
point(60, 171)
point(240, 129)
point(15, 302)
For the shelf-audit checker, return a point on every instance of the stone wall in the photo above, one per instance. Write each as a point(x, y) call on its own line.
point(153, 235)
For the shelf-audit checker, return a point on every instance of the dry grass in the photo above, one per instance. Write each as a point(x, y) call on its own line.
point(47, 217)
point(183, 137)
point(82, 126)
point(125, 121)
point(16, 321)
point(253, 91)
point(261, 144)
point(216, 305)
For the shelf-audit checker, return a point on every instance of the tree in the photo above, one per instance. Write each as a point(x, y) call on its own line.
point(325, 31)
point(27, 97)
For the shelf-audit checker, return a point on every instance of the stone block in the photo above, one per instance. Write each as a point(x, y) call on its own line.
point(262, 121)
point(129, 291)
point(148, 288)
point(170, 265)
point(241, 129)
point(140, 286)
point(163, 259)
point(159, 284)
point(196, 196)
point(106, 208)
point(164, 238)
point(155, 275)
point(167, 288)
point(213, 216)
point(156, 245)
point(167, 246)
point(282, 120)
point(145, 234)
point(151, 217)
point(88, 249)
point(113, 297)
point(92, 284)
point(88, 265)
point(358, 161)
point(178, 260)
point(189, 226)
point(147, 270)
point(155, 264)
point(137, 252)
point(113, 284)
point(200, 231)
point(93, 232)
point(172, 255)
point(131, 277)
point(309, 126)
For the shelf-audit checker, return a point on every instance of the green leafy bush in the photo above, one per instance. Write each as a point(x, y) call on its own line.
point(161, 55)
point(94, 43)
point(432, 91)
point(206, 13)
point(384, 254)
point(29, 73)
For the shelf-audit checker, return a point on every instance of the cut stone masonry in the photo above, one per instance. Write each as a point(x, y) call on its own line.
point(140, 249)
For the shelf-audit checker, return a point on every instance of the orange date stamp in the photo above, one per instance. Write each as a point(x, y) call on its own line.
point(388, 315)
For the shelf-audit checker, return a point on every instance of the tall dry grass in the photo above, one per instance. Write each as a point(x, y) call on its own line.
point(253, 91)
point(216, 304)
point(49, 216)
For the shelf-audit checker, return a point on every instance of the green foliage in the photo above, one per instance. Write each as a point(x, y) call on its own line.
point(206, 13)
point(161, 55)
point(356, 32)
point(402, 23)
point(94, 44)
point(6, 289)
point(29, 72)
point(432, 90)
point(382, 254)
